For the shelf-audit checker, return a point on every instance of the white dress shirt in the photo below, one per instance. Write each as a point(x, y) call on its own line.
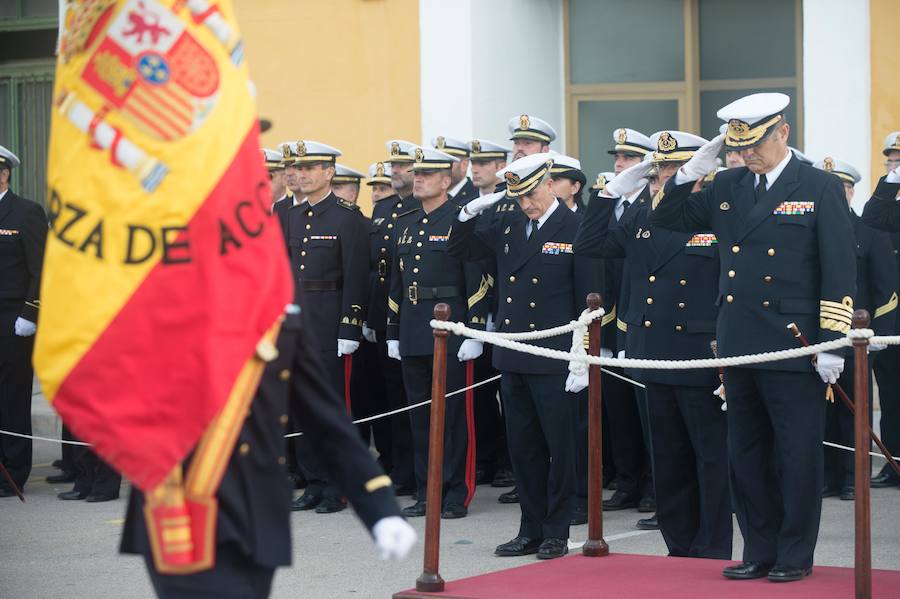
point(773, 174)
point(542, 219)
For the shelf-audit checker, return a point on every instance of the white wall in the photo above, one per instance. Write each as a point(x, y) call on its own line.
point(836, 85)
point(504, 58)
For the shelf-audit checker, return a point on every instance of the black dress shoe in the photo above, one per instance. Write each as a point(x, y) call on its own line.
point(414, 511)
point(509, 496)
point(650, 523)
point(71, 495)
point(503, 478)
point(452, 511)
point(330, 505)
point(62, 477)
point(307, 501)
point(848, 493)
point(552, 548)
point(647, 505)
point(100, 497)
point(619, 501)
point(830, 491)
point(782, 573)
point(579, 516)
point(885, 478)
point(746, 571)
point(518, 546)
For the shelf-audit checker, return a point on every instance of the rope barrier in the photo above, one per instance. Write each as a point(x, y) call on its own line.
point(874, 454)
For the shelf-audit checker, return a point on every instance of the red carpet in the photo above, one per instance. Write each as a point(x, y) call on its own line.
point(623, 576)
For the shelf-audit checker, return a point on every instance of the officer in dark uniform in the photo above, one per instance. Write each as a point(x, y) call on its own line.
point(788, 256)
point(329, 251)
point(346, 182)
point(274, 166)
point(377, 379)
point(23, 231)
point(876, 292)
point(541, 284)
point(288, 200)
point(401, 162)
point(253, 529)
point(424, 274)
point(887, 361)
point(462, 189)
point(95, 480)
point(671, 315)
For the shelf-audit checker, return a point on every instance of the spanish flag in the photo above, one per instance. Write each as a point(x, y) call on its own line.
point(165, 277)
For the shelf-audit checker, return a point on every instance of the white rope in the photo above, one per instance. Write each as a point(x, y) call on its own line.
point(38, 438)
point(874, 454)
point(582, 322)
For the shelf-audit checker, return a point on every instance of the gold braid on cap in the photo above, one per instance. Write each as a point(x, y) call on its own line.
point(740, 134)
point(517, 186)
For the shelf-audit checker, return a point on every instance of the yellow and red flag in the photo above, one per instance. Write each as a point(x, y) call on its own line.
point(164, 269)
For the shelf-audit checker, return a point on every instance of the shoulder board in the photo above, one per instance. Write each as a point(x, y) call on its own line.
point(402, 214)
point(345, 204)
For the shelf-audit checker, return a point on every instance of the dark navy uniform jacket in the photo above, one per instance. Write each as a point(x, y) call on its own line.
point(672, 286)
point(329, 249)
point(23, 232)
point(281, 209)
point(381, 256)
point(876, 276)
point(465, 194)
point(788, 258)
point(882, 212)
point(424, 274)
point(540, 284)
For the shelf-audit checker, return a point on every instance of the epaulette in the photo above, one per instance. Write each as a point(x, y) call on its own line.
point(402, 214)
point(345, 204)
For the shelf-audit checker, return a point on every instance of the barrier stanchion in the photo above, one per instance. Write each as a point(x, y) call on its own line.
point(430, 581)
point(863, 520)
point(595, 546)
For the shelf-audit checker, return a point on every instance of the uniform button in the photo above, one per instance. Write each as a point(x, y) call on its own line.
point(418, 244)
point(531, 304)
point(302, 252)
point(283, 419)
point(681, 305)
point(425, 220)
point(771, 251)
point(309, 213)
point(381, 279)
point(729, 298)
point(767, 278)
point(509, 300)
point(390, 225)
point(678, 327)
point(284, 374)
point(505, 321)
point(244, 449)
point(383, 250)
point(416, 269)
point(308, 226)
point(512, 278)
point(735, 249)
point(421, 232)
point(531, 325)
point(765, 303)
point(281, 460)
point(534, 280)
point(731, 274)
point(418, 257)
point(652, 278)
point(649, 300)
point(682, 282)
point(393, 215)
point(302, 267)
point(647, 323)
point(305, 239)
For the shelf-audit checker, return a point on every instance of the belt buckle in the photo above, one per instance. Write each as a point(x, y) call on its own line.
point(413, 293)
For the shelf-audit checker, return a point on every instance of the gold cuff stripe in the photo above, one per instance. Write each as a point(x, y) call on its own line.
point(490, 280)
point(35, 305)
point(608, 318)
point(736, 139)
point(888, 307)
point(394, 306)
point(481, 293)
point(379, 482)
point(834, 325)
point(622, 326)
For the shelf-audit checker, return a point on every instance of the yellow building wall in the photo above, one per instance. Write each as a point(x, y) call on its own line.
point(885, 98)
point(341, 72)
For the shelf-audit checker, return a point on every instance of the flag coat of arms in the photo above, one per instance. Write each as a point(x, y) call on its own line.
point(165, 276)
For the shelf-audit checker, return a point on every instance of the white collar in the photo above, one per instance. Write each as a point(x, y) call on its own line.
point(458, 187)
point(574, 207)
point(3, 193)
point(773, 174)
point(546, 215)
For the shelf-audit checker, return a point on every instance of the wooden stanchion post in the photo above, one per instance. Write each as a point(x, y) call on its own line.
point(863, 519)
point(430, 581)
point(595, 546)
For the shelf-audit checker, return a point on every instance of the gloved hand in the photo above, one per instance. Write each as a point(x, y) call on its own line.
point(469, 350)
point(25, 328)
point(605, 352)
point(478, 205)
point(369, 334)
point(873, 347)
point(347, 347)
point(490, 326)
point(720, 393)
point(621, 354)
point(893, 176)
point(393, 349)
point(576, 382)
point(394, 537)
point(829, 366)
point(703, 161)
point(628, 180)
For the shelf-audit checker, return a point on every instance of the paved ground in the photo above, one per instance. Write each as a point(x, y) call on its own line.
point(52, 549)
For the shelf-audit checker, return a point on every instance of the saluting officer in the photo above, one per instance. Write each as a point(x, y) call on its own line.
point(462, 189)
point(328, 239)
point(345, 183)
point(424, 274)
point(23, 231)
point(540, 284)
point(788, 256)
point(887, 363)
point(876, 292)
point(671, 315)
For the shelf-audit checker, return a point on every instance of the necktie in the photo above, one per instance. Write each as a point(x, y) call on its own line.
point(760, 188)
point(532, 228)
point(623, 208)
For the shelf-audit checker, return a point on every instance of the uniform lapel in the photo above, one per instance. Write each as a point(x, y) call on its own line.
point(668, 244)
point(741, 203)
point(784, 186)
point(6, 204)
point(534, 243)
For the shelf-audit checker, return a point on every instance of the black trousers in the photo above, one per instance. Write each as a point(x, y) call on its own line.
point(310, 466)
point(491, 452)
point(16, 377)
point(690, 462)
point(840, 466)
point(539, 425)
point(776, 423)
point(93, 475)
point(234, 576)
point(69, 453)
point(368, 395)
point(458, 473)
point(401, 472)
point(887, 373)
point(630, 455)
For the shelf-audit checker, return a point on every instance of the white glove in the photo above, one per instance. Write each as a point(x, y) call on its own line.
point(703, 161)
point(25, 328)
point(576, 382)
point(829, 366)
point(621, 354)
point(394, 537)
point(605, 352)
point(469, 350)
point(490, 326)
point(479, 205)
point(628, 180)
point(369, 334)
point(893, 176)
point(393, 349)
point(720, 393)
point(347, 347)
point(873, 347)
